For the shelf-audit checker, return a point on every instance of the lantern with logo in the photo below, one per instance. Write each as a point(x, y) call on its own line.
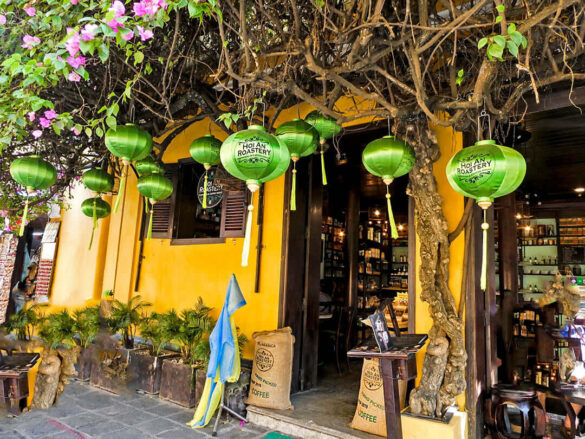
point(255, 156)
point(205, 150)
point(483, 172)
point(34, 174)
point(130, 143)
point(301, 140)
point(388, 158)
point(100, 182)
point(327, 128)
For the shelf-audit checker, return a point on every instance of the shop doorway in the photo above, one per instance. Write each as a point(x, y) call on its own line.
point(339, 261)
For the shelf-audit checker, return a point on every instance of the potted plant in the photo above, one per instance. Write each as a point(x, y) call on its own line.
point(24, 322)
point(57, 359)
point(86, 326)
point(183, 378)
point(145, 365)
point(110, 371)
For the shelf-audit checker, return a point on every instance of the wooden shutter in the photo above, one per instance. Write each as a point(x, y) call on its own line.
point(163, 212)
point(233, 214)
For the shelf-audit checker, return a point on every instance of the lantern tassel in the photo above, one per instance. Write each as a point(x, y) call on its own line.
point(121, 188)
point(323, 172)
point(393, 229)
point(205, 191)
point(293, 191)
point(149, 234)
point(247, 239)
point(94, 220)
point(485, 226)
point(146, 207)
point(24, 215)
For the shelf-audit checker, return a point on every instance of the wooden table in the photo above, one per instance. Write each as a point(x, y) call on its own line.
point(14, 380)
point(398, 364)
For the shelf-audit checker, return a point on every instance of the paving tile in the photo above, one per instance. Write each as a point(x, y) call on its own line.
point(64, 410)
point(114, 409)
point(183, 433)
point(102, 428)
point(12, 434)
point(66, 435)
point(163, 409)
point(134, 417)
point(181, 417)
point(157, 425)
point(145, 403)
point(126, 433)
point(39, 428)
point(96, 401)
point(87, 418)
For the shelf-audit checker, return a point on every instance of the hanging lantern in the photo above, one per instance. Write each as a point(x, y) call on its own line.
point(130, 143)
point(255, 156)
point(96, 208)
point(155, 187)
point(98, 180)
point(388, 158)
point(205, 150)
point(327, 129)
point(147, 166)
point(483, 172)
point(34, 174)
point(301, 140)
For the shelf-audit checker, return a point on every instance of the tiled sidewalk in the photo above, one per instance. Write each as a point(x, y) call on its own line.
point(84, 412)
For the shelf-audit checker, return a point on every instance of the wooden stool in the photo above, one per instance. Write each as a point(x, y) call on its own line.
point(526, 401)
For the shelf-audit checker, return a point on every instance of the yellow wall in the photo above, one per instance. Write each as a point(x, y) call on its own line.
point(453, 205)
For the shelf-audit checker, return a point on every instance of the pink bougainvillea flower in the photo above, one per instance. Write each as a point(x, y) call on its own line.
point(30, 11)
point(2, 19)
point(128, 36)
point(148, 7)
point(74, 77)
point(45, 123)
point(37, 133)
point(72, 44)
point(145, 34)
point(114, 24)
point(51, 114)
point(76, 62)
point(76, 131)
point(74, 2)
point(31, 116)
point(117, 8)
point(88, 32)
point(30, 42)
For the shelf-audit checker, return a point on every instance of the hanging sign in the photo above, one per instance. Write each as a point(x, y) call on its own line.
point(253, 152)
point(214, 191)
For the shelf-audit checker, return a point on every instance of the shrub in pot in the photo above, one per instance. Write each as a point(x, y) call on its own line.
point(183, 378)
point(145, 365)
point(23, 323)
point(86, 325)
point(110, 372)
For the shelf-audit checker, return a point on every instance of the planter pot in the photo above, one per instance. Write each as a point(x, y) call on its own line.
point(85, 361)
point(181, 384)
point(109, 372)
point(145, 370)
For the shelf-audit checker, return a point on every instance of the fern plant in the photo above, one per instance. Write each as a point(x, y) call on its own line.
point(159, 329)
point(126, 317)
point(23, 323)
point(193, 331)
point(86, 324)
point(57, 329)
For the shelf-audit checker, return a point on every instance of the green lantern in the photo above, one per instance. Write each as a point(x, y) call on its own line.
point(255, 156)
point(96, 208)
point(98, 180)
point(147, 166)
point(130, 143)
point(301, 140)
point(327, 128)
point(388, 158)
point(155, 187)
point(33, 173)
point(205, 150)
point(486, 171)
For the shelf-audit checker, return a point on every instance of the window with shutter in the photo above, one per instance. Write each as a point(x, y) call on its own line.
point(163, 211)
point(233, 218)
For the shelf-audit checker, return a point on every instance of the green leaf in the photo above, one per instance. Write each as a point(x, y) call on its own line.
point(516, 37)
point(99, 132)
point(460, 73)
point(524, 42)
point(511, 28)
point(103, 52)
point(482, 43)
point(320, 3)
point(512, 48)
point(495, 51)
point(500, 41)
point(110, 122)
point(501, 8)
point(499, 18)
point(138, 57)
point(88, 131)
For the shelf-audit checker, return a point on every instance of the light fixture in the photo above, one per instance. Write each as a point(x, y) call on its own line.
point(341, 233)
point(527, 228)
point(377, 212)
point(400, 227)
point(518, 216)
point(579, 189)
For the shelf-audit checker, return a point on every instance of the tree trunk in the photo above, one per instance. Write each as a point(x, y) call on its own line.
point(47, 380)
point(445, 360)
